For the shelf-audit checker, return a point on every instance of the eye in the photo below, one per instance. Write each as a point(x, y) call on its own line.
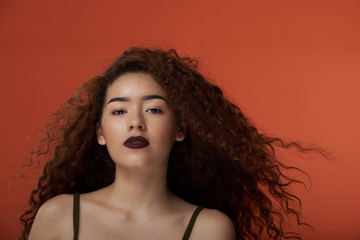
point(154, 110)
point(118, 112)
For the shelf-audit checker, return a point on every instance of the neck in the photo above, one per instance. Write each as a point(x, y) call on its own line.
point(140, 189)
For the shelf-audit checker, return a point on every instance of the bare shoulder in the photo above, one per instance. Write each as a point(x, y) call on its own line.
point(212, 224)
point(59, 206)
point(53, 219)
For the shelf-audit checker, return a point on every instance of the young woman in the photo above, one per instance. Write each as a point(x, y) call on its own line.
point(151, 150)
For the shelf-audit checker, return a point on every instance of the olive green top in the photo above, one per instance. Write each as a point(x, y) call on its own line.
point(76, 218)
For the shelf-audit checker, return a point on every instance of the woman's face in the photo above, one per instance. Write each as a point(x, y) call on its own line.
point(137, 125)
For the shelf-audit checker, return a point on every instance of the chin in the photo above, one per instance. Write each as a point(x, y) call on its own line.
point(137, 162)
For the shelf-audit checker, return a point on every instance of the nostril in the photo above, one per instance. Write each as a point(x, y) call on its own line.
point(138, 126)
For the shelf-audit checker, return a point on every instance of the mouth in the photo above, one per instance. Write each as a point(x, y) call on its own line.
point(136, 142)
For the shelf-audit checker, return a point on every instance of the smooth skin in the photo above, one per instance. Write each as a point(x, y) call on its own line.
point(138, 205)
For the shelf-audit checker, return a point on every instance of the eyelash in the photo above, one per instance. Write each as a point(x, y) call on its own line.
point(118, 112)
point(151, 110)
point(155, 110)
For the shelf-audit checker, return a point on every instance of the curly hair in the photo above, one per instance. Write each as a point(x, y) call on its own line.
point(223, 163)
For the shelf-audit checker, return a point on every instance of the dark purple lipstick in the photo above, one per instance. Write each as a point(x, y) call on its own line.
point(136, 142)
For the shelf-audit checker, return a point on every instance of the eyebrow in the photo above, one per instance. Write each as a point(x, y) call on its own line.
point(144, 98)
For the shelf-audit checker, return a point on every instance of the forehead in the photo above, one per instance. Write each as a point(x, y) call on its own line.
point(134, 84)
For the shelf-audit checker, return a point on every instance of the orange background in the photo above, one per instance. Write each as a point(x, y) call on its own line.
point(292, 66)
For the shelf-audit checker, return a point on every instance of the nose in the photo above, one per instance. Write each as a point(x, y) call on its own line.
point(137, 122)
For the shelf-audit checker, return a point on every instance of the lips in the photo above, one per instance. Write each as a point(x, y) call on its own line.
point(136, 142)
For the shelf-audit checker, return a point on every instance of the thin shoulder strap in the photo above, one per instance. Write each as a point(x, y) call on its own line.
point(192, 222)
point(76, 210)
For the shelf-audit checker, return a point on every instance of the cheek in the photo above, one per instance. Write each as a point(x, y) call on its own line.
point(166, 130)
point(112, 130)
